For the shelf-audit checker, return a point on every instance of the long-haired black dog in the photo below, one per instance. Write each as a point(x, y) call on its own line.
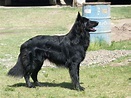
point(68, 50)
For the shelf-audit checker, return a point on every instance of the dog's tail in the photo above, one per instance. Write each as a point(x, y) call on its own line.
point(17, 70)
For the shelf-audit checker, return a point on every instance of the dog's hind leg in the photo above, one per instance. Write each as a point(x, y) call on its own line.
point(74, 74)
point(27, 61)
point(35, 73)
point(39, 58)
point(28, 83)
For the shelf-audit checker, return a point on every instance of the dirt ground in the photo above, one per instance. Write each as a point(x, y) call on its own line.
point(121, 29)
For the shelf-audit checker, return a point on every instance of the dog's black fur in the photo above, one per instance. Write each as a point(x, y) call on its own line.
point(68, 50)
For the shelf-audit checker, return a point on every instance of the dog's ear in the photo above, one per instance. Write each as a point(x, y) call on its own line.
point(78, 17)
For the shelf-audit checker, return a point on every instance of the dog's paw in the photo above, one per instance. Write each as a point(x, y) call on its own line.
point(80, 88)
point(31, 86)
point(38, 84)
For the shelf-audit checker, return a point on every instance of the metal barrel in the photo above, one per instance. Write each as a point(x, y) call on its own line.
point(99, 11)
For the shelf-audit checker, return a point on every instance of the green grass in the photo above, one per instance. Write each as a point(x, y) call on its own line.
point(42, 19)
point(121, 45)
point(37, 19)
point(120, 12)
point(99, 82)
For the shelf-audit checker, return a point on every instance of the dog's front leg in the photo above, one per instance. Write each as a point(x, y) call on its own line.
point(74, 74)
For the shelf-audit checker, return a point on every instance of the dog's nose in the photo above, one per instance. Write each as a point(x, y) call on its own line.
point(96, 23)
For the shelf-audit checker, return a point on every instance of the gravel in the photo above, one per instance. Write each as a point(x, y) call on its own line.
point(103, 57)
point(100, 57)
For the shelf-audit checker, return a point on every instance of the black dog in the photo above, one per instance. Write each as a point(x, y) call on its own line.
point(68, 50)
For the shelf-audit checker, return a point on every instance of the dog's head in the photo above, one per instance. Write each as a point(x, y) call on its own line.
point(85, 23)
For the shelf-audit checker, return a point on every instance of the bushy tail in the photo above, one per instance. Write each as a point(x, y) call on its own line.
point(17, 70)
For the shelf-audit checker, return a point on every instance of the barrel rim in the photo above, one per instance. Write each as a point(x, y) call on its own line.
point(97, 3)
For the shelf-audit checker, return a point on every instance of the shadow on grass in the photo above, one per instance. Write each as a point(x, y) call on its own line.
point(47, 84)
